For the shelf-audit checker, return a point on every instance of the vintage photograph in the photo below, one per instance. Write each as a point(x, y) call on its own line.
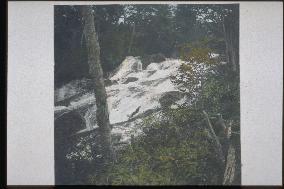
point(147, 94)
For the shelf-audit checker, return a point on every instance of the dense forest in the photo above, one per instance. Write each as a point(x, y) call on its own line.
point(192, 137)
point(135, 30)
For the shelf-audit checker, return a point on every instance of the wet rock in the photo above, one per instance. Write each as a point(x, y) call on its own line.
point(130, 79)
point(151, 72)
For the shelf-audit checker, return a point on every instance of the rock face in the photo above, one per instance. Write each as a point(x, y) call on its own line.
point(133, 92)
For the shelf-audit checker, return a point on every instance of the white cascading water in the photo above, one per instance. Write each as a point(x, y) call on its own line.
point(126, 100)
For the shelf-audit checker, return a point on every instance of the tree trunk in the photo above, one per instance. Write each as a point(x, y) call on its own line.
point(231, 35)
point(96, 73)
point(215, 139)
point(131, 39)
point(230, 169)
point(228, 166)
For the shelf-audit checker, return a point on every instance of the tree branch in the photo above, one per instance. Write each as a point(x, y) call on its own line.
point(217, 144)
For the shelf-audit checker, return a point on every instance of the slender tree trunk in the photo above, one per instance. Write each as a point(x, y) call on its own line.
point(96, 73)
point(231, 35)
point(228, 165)
point(215, 139)
point(230, 169)
point(131, 39)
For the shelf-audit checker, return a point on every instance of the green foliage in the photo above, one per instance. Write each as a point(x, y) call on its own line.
point(154, 29)
point(192, 73)
point(212, 86)
point(170, 152)
point(220, 94)
point(197, 52)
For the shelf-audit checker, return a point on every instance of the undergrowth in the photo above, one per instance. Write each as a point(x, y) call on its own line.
point(170, 152)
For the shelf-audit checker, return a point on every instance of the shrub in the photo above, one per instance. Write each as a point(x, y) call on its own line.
point(169, 152)
point(198, 52)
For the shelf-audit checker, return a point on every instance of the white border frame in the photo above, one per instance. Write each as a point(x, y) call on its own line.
point(30, 151)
